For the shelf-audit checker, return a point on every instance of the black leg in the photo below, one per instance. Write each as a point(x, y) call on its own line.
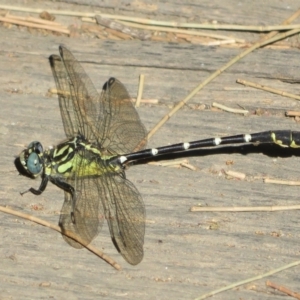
point(69, 189)
point(41, 188)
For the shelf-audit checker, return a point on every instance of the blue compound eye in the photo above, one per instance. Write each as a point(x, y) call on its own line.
point(34, 164)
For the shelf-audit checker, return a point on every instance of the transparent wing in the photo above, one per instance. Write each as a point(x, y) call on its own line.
point(84, 214)
point(64, 96)
point(122, 130)
point(109, 119)
point(125, 214)
point(111, 122)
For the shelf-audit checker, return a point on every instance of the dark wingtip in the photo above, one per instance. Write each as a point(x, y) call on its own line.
point(53, 58)
point(109, 83)
point(61, 50)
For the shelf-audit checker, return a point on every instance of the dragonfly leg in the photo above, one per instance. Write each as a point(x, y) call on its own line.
point(69, 189)
point(41, 188)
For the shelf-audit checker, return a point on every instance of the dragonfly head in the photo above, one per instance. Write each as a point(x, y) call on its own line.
point(29, 162)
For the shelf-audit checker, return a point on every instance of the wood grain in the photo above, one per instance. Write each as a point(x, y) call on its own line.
point(186, 254)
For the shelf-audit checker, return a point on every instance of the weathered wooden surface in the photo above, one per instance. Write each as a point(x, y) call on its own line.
point(184, 256)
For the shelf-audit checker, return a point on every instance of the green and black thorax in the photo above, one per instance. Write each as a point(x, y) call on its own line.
point(71, 158)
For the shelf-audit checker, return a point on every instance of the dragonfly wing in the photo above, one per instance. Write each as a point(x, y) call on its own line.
point(83, 98)
point(83, 214)
point(122, 130)
point(125, 214)
point(110, 121)
point(64, 95)
point(110, 118)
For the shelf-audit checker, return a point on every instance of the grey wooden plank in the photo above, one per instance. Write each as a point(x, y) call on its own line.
point(230, 12)
point(164, 64)
point(184, 258)
point(256, 13)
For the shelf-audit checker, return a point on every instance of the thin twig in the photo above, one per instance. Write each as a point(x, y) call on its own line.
point(58, 92)
point(292, 113)
point(234, 285)
point(159, 23)
point(147, 101)
point(221, 26)
point(233, 110)
point(140, 90)
point(67, 233)
point(34, 25)
point(279, 181)
point(174, 163)
point(188, 166)
point(35, 20)
point(50, 11)
point(182, 33)
point(237, 175)
point(168, 163)
point(218, 43)
point(282, 289)
point(268, 89)
point(244, 208)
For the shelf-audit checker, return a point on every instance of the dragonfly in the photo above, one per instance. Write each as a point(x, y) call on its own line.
point(103, 135)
